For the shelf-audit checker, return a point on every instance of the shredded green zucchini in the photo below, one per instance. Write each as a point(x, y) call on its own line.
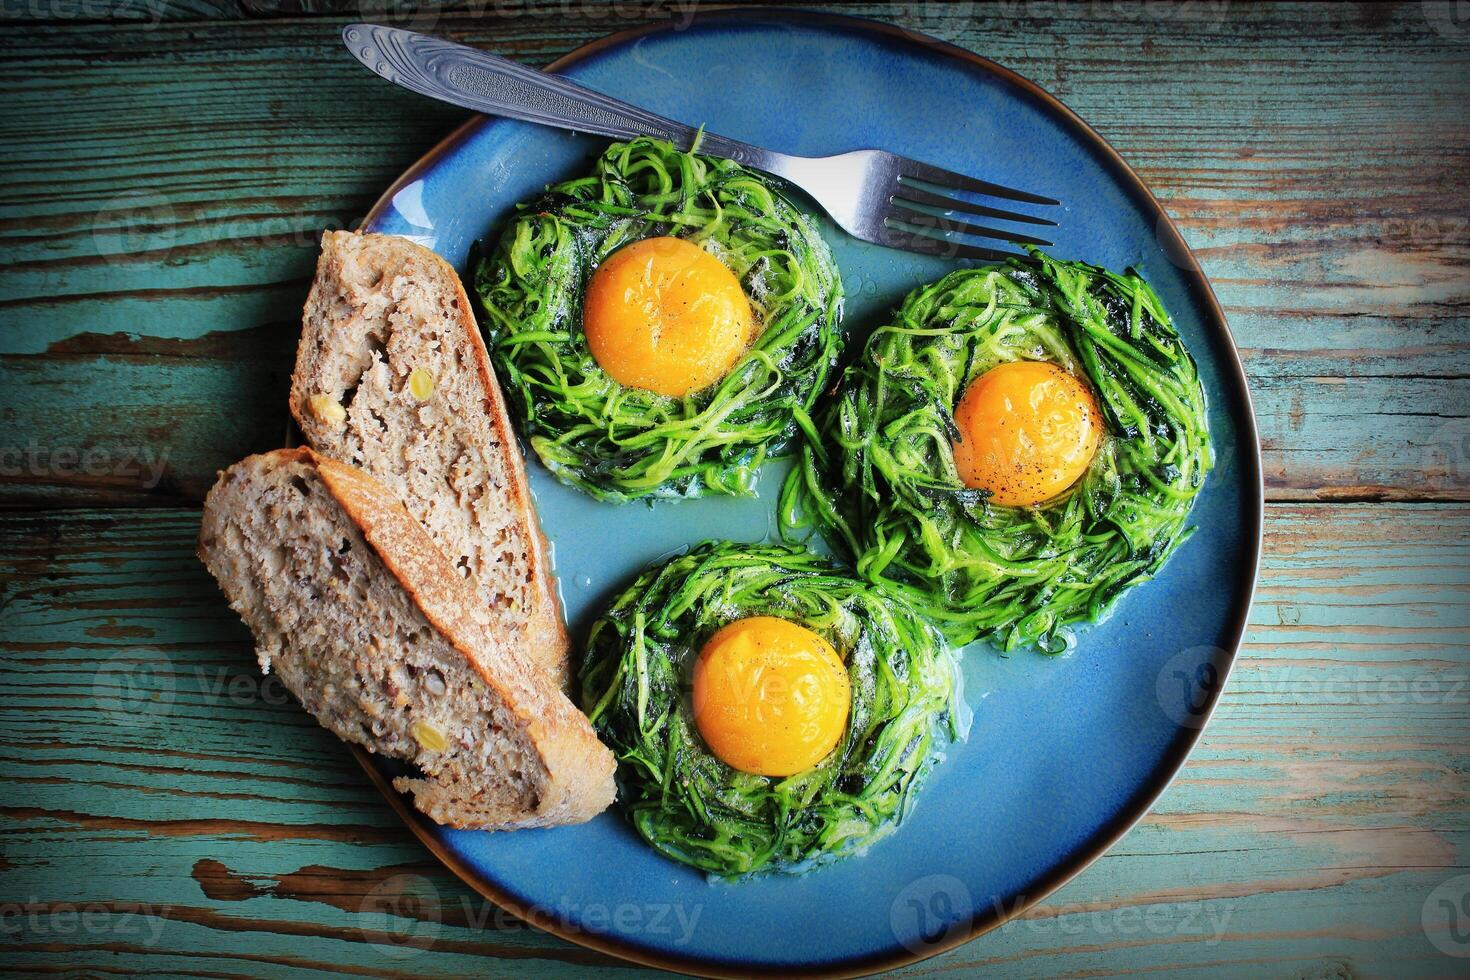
point(620, 443)
point(878, 478)
point(694, 808)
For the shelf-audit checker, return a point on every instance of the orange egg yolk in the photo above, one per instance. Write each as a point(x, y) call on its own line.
point(1028, 431)
point(666, 316)
point(770, 697)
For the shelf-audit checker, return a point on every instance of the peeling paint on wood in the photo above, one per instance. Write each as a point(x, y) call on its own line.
point(151, 281)
point(1326, 801)
point(168, 169)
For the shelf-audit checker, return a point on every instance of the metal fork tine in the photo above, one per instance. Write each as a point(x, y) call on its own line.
point(949, 180)
point(940, 227)
point(906, 194)
point(897, 236)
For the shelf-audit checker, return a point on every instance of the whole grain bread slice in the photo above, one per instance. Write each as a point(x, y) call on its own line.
point(369, 626)
point(392, 376)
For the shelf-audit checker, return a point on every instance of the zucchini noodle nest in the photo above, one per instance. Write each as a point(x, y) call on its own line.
point(618, 442)
point(879, 478)
point(690, 806)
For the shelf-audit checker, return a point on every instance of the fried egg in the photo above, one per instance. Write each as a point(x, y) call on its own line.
point(664, 315)
point(771, 697)
point(1027, 431)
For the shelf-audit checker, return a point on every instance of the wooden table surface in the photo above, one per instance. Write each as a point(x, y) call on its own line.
point(167, 165)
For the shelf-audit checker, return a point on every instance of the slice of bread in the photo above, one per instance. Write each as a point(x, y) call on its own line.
point(372, 629)
point(392, 376)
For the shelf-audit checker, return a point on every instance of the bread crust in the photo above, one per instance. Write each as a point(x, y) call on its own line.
point(540, 626)
point(575, 778)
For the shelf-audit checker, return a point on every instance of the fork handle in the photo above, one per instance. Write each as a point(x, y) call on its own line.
point(487, 83)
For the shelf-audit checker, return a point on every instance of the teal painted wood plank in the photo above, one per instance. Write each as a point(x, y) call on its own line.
point(160, 225)
point(149, 777)
point(158, 231)
point(149, 12)
point(149, 428)
point(1352, 437)
point(157, 428)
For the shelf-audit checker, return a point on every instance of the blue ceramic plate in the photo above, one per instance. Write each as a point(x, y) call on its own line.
point(1064, 754)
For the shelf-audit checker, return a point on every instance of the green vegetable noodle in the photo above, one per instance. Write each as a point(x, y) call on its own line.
point(879, 477)
point(619, 442)
point(692, 807)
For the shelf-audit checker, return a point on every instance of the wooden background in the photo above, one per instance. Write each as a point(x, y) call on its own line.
point(166, 166)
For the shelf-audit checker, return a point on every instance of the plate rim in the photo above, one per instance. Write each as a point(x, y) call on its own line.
point(1180, 255)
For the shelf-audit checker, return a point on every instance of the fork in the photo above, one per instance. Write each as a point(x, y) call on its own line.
point(873, 195)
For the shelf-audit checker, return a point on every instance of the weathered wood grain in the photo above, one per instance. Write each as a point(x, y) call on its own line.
point(163, 810)
point(150, 779)
point(165, 179)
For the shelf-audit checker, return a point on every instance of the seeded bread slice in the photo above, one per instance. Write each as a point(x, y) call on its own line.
point(392, 376)
point(369, 626)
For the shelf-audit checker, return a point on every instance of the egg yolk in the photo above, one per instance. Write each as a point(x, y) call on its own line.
point(1028, 431)
point(770, 697)
point(666, 316)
